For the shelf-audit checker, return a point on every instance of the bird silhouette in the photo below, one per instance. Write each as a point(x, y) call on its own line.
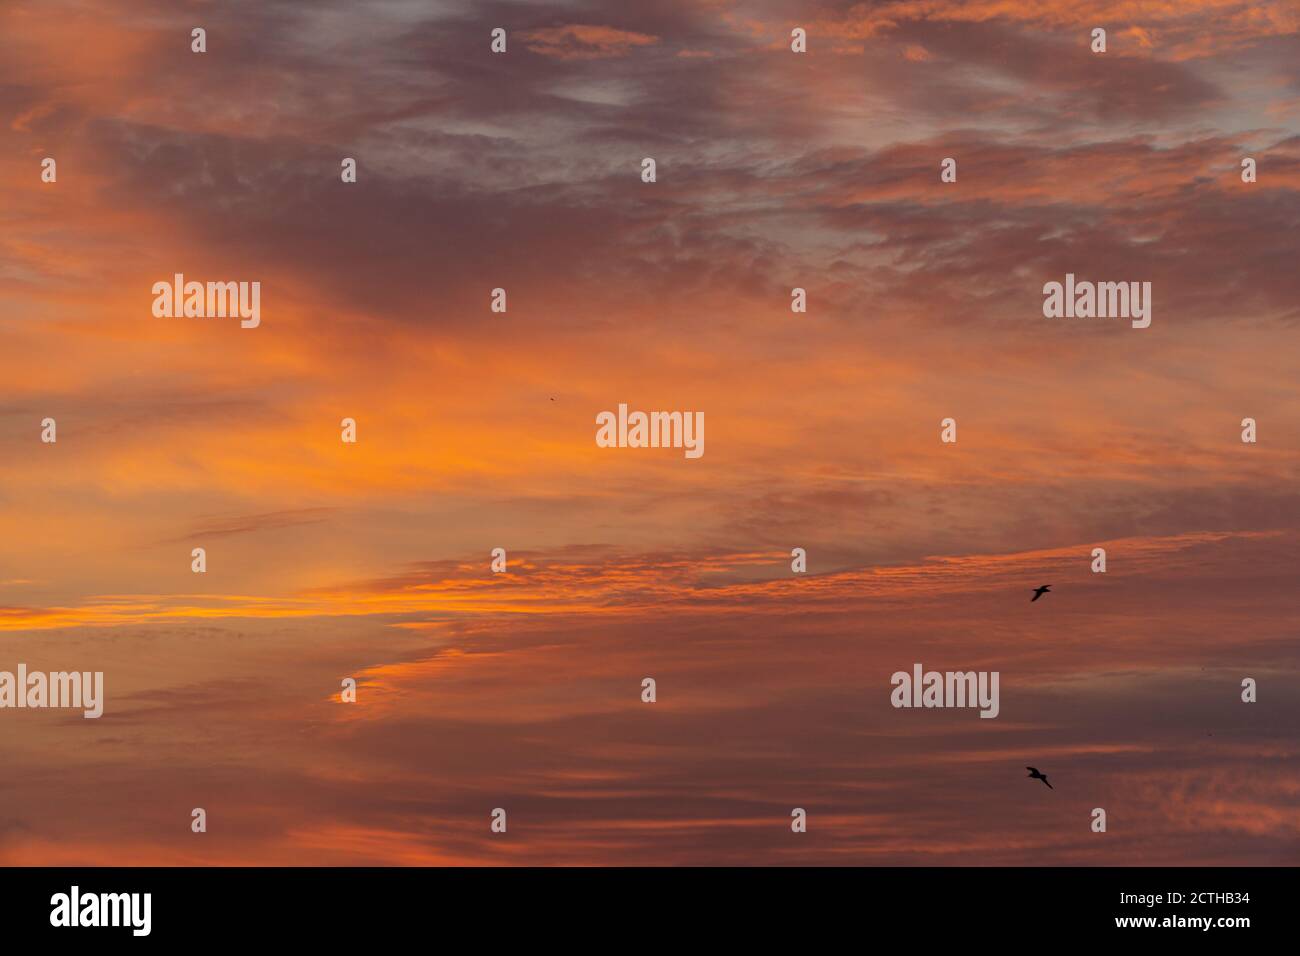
point(1039, 592)
point(1036, 775)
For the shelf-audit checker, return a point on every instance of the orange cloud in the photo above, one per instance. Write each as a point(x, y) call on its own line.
point(585, 42)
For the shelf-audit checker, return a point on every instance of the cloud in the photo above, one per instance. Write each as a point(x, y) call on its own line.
point(578, 41)
point(776, 171)
point(218, 527)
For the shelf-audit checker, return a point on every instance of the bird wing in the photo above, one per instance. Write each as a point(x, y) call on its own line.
point(1049, 786)
point(1032, 769)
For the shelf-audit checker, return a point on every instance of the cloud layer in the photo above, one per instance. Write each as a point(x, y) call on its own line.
point(775, 170)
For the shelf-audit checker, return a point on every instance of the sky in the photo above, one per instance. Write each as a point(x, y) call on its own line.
point(522, 690)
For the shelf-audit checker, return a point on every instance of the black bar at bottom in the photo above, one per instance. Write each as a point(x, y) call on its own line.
point(668, 907)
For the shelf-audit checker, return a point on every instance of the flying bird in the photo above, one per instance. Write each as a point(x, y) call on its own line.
point(1036, 775)
point(1039, 592)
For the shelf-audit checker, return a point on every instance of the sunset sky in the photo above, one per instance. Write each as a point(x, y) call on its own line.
point(522, 690)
